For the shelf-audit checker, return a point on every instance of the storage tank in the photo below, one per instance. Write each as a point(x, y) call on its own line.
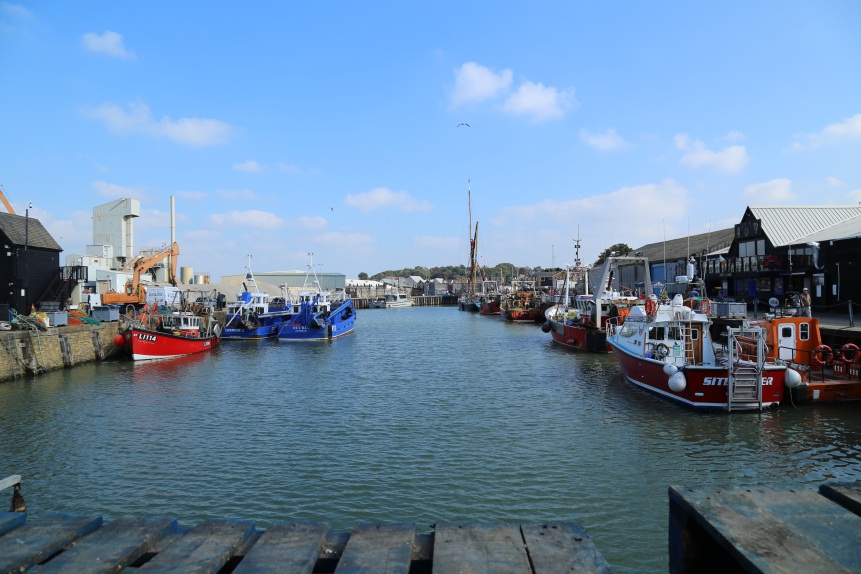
point(201, 279)
point(186, 274)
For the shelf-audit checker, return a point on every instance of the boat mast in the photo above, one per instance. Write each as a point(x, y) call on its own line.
point(249, 276)
point(473, 239)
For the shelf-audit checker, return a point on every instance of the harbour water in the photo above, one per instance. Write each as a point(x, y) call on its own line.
point(425, 415)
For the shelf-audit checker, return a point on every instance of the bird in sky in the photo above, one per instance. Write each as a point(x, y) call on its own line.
point(463, 124)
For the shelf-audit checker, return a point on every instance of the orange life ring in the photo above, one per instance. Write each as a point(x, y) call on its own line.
point(849, 347)
point(651, 307)
point(772, 261)
point(706, 305)
point(826, 355)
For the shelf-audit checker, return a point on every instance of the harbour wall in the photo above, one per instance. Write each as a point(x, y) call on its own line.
point(23, 353)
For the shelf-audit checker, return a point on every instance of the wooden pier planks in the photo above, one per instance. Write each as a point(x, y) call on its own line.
point(562, 548)
point(377, 548)
point(205, 549)
point(35, 541)
point(286, 548)
point(479, 549)
point(112, 547)
point(714, 529)
point(11, 520)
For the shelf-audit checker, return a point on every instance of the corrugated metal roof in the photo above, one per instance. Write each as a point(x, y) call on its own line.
point(788, 225)
point(18, 229)
point(849, 229)
point(683, 247)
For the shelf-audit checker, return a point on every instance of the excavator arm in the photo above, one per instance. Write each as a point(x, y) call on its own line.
point(134, 291)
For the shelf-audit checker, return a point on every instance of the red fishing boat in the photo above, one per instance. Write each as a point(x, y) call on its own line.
point(666, 348)
point(175, 334)
point(578, 320)
point(522, 304)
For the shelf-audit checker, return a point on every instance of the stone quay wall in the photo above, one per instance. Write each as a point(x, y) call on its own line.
point(24, 353)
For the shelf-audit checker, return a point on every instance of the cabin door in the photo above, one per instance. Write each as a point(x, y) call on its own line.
point(786, 342)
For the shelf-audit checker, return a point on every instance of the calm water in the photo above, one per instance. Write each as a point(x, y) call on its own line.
point(424, 415)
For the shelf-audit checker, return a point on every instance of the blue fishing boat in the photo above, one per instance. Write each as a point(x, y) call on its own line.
point(252, 315)
point(317, 314)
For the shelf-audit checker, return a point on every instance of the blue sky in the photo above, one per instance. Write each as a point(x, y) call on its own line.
point(286, 128)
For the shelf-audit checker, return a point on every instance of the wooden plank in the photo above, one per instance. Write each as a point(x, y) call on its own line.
point(11, 520)
point(205, 549)
point(846, 495)
point(37, 540)
point(285, 548)
point(382, 549)
point(112, 547)
point(562, 548)
point(479, 549)
point(765, 530)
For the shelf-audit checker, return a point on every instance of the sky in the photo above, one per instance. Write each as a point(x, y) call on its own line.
point(353, 131)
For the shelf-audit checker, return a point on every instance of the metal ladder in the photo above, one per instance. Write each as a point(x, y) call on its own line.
point(745, 379)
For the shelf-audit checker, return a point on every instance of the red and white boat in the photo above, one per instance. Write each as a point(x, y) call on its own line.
point(176, 334)
point(578, 321)
point(522, 304)
point(666, 348)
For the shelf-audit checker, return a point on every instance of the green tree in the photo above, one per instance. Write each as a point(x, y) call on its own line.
point(619, 249)
point(363, 276)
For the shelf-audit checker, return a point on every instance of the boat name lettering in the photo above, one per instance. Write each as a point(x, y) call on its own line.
point(723, 381)
point(146, 337)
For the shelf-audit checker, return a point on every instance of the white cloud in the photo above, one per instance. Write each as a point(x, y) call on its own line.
point(473, 82)
point(309, 222)
point(193, 195)
point(237, 194)
point(732, 159)
point(540, 102)
point(250, 219)
point(832, 134)
point(113, 190)
point(835, 182)
point(188, 131)
point(357, 242)
point(606, 140)
point(250, 166)
point(774, 191)
point(109, 43)
point(382, 197)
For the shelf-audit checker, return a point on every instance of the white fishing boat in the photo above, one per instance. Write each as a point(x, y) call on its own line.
point(392, 301)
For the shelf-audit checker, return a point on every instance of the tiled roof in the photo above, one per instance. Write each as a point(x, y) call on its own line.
point(796, 224)
point(19, 229)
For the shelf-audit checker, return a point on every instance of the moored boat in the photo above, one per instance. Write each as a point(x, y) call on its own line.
point(253, 315)
point(522, 304)
point(469, 299)
point(578, 321)
point(392, 301)
point(317, 314)
point(816, 372)
point(666, 348)
point(172, 334)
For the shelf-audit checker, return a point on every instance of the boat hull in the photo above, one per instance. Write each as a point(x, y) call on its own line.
point(340, 322)
point(146, 345)
point(706, 387)
point(522, 315)
point(238, 331)
point(579, 337)
point(467, 305)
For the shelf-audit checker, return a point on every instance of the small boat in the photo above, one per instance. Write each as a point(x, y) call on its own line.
point(318, 315)
point(522, 304)
point(253, 315)
point(490, 299)
point(469, 299)
point(578, 321)
point(816, 372)
point(157, 335)
point(392, 301)
point(666, 347)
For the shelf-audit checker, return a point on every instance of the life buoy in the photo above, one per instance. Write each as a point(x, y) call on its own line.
point(651, 307)
point(821, 355)
point(772, 261)
point(845, 350)
point(705, 306)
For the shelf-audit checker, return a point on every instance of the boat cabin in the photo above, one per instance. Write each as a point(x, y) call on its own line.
point(673, 334)
point(182, 323)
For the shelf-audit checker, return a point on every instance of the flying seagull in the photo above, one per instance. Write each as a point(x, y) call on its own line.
point(463, 124)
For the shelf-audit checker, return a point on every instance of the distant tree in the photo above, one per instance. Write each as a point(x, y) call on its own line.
point(363, 276)
point(619, 249)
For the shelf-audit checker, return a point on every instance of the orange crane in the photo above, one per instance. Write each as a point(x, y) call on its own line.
point(6, 203)
point(135, 293)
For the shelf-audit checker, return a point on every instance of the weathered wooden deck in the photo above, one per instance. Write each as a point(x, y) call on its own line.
point(90, 545)
point(736, 529)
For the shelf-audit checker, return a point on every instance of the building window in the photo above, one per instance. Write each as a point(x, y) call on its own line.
point(804, 331)
point(751, 248)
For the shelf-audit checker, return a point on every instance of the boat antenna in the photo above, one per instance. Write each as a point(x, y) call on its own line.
point(249, 276)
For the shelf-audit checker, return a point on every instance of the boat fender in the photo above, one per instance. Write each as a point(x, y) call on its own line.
point(670, 369)
point(545, 327)
point(677, 382)
point(821, 355)
point(849, 353)
point(792, 379)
